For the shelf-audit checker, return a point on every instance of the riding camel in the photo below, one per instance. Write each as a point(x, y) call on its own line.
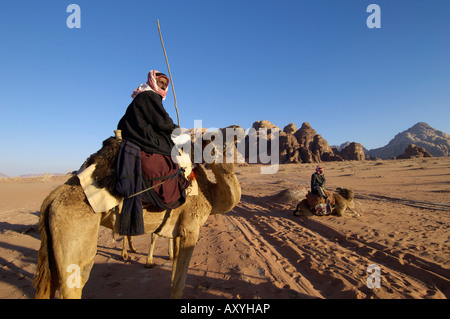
point(343, 204)
point(69, 227)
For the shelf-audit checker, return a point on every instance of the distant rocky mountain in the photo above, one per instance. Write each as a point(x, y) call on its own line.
point(3, 175)
point(436, 142)
point(305, 145)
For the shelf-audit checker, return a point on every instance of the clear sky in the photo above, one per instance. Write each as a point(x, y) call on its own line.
point(63, 90)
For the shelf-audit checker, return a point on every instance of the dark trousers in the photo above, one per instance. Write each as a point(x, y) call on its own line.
point(319, 190)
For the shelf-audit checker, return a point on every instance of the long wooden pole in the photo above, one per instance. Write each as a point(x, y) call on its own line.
point(170, 75)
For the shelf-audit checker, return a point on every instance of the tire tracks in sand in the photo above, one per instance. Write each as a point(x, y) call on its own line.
point(280, 266)
point(319, 261)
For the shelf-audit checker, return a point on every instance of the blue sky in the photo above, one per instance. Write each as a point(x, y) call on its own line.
point(63, 91)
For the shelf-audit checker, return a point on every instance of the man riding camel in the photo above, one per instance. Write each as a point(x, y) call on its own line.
point(318, 181)
point(146, 171)
point(146, 123)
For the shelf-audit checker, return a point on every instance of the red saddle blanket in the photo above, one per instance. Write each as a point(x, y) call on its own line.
point(317, 204)
point(167, 179)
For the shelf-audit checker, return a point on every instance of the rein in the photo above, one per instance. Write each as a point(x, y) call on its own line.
point(163, 178)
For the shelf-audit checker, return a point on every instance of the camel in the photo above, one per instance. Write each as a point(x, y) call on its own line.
point(343, 200)
point(69, 227)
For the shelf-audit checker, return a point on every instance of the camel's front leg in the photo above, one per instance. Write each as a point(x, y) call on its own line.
point(127, 241)
point(130, 245)
point(150, 263)
point(171, 248)
point(183, 248)
point(350, 212)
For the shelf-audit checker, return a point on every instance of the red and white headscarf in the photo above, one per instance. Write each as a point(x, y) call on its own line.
point(151, 85)
point(318, 169)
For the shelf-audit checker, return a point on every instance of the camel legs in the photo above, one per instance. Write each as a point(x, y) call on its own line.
point(124, 248)
point(171, 248)
point(127, 240)
point(344, 210)
point(183, 248)
point(150, 263)
point(350, 212)
point(74, 248)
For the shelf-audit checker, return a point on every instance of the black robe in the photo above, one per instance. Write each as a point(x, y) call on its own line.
point(147, 124)
point(317, 180)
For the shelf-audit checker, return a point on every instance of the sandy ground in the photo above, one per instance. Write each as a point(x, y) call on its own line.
point(260, 250)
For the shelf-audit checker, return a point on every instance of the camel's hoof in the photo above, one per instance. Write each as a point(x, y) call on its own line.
point(295, 213)
point(149, 265)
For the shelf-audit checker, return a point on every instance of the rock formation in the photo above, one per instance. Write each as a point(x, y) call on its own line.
point(289, 148)
point(302, 145)
point(353, 152)
point(290, 128)
point(313, 147)
point(343, 145)
point(414, 151)
point(252, 140)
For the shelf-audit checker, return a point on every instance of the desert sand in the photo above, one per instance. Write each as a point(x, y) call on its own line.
point(260, 249)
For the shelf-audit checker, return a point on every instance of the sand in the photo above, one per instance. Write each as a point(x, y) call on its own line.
point(260, 250)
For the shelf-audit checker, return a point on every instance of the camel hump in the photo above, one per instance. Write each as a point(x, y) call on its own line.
point(104, 174)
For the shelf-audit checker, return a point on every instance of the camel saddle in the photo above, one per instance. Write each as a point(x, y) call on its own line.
point(317, 204)
point(99, 198)
point(99, 195)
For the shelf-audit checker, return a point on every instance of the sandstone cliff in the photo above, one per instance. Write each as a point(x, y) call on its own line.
point(302, 145)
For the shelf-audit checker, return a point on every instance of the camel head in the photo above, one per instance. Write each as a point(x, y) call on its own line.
point(218, 146)
point(346, 193)
point(217, 149)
